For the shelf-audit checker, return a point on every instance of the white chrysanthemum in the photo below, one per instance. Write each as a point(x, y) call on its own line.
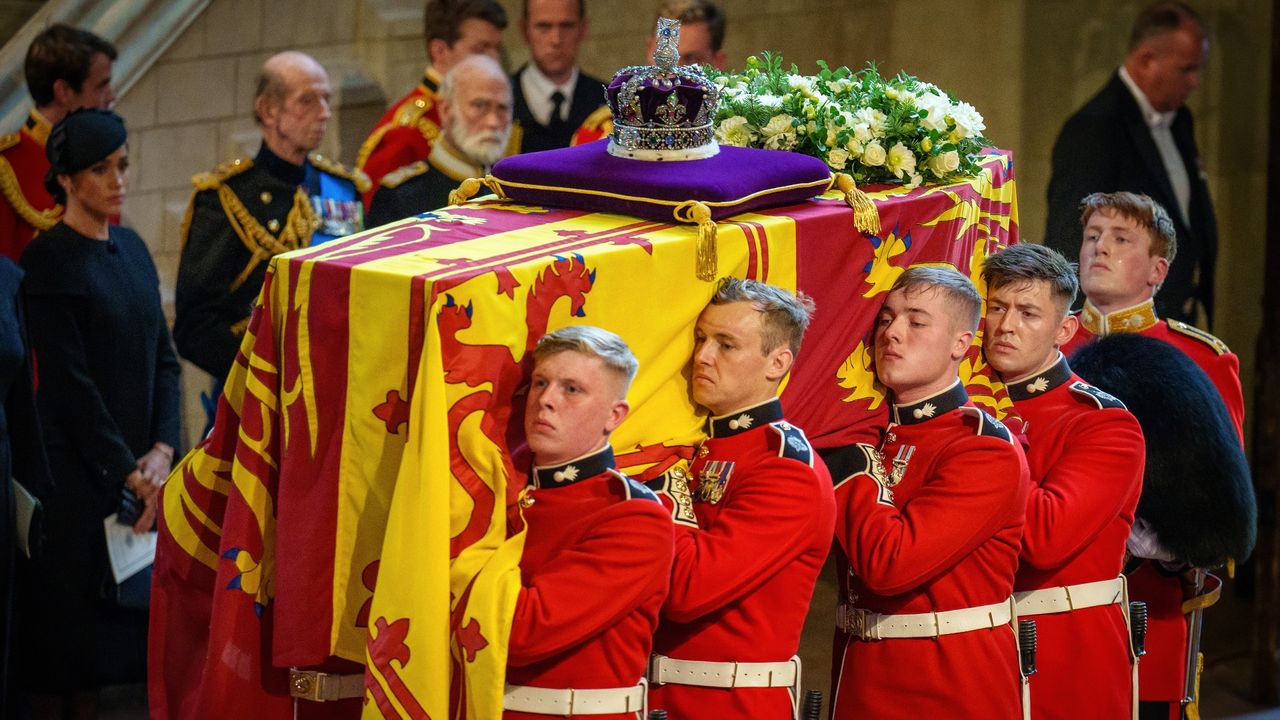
point(901, 161)
point(873, 119)
point(735, 131)
point(769, 101)
point(969, 122)
point(800, 82)
point(937, 107)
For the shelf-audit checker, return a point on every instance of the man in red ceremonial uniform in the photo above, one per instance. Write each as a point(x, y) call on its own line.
point(597, 557)
point(1086, 457)
point(67, 69)
point(404, 135)
point(930, 523)
point(1129, 242)
point(754, 518)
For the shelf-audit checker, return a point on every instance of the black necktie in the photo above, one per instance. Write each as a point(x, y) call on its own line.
point(557, 103)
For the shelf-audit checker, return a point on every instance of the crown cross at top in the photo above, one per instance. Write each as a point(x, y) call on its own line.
point(667, 55)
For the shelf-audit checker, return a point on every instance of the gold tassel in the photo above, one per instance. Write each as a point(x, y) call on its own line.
point(865, 215)
point(465, 191)
point(708, 263)
point(1231, 568)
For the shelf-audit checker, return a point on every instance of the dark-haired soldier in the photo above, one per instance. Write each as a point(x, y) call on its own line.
point(1086, 457)
point(753, 522)
point(929, 522)
point(454, 29)
point(285, 198)
point(67, 69)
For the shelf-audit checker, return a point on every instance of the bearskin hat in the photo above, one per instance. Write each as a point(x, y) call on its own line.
point(1197, 491)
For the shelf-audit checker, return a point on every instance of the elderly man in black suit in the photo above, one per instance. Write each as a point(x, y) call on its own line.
point(1137, 135)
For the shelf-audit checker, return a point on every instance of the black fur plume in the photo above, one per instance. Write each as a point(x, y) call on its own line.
point(1196, 492)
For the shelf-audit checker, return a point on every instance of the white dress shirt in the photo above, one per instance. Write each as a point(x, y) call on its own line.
point(1161, 125)
point(538, 88)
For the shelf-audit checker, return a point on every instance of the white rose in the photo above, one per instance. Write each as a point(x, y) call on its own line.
point(838, 158)
point(950, 161)
point(735, 131)
point(914, 180)
point(832, 136)
point(969, 122)
point(901, 160)
point(777, 124)
point(873, 155)
point(937, 108)
point(722, 80)
point(854, 147)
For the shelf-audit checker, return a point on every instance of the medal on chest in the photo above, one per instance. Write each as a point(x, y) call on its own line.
point(888, 479)
point(713, 477)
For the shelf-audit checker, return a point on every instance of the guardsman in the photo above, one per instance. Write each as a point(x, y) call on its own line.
point(929, 523)
point(475, 107)
point(597, 556)
point(1086, 456)
point(1128, 244)
point(455, 29)
point(67, 69)
point(557, 105)
point(754, 517)
point(247, 211)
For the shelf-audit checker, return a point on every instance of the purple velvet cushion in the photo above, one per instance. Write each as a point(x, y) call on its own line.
point(587, 177)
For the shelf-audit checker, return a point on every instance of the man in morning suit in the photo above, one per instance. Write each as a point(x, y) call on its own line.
point(597, 556)
point(475, 117)
point(929, 525)
point(248, 210)
point(66, 69)
point(1137, 135)
point(1129, 243)
point(1086, 456)
point(557, 105)
point(754, 517)
point(455, 29)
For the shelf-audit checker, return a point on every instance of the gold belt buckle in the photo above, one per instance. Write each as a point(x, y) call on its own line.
point(305, 685)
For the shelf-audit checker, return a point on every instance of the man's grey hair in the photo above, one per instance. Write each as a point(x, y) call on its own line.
point(473, 64)
point(596, 342)
point(272, 83)
point(786, 316)
point(966, 304)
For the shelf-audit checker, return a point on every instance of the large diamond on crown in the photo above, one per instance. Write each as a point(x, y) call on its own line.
point(663, 111)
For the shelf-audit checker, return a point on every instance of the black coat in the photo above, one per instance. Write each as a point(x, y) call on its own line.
point(1106, 147)
point(107, 392)
point(588, 96)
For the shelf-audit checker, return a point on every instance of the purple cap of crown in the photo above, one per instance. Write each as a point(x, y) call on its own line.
point(663, 111)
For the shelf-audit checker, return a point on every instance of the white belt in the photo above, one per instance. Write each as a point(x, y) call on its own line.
point(1070, 597)
point(866, 625)
point(663, 669)
point(568, 702)
point(324, 687)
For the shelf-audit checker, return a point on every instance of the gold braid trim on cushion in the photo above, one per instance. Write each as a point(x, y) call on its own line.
point(296, 233)
point(39, 219)
point(865, 215)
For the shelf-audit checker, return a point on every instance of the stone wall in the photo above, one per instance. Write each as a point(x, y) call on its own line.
point(1026, 64)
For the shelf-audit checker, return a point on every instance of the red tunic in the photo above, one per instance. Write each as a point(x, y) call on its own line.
point(25, 201)
point(743, 578)
point(945, 537)
point(404, 134)
point(1086, 457)
point(1162, 672)
point(595, 570)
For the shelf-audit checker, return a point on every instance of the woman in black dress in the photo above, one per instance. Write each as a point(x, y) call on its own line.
point(108, 398)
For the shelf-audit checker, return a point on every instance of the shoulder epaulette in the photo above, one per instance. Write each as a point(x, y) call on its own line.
point(792, 442)
point(985, 425)
point(8, 141)
point(1194, 332)
point(850, 461)
point(397, 177)
point(220, 174)
point(337, 169)
point(635, 490)
point(598, 118)
point(1101, 398)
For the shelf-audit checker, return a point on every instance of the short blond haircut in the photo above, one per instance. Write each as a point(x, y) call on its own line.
point(785, 316)
point(595, 342)
point(951, 283)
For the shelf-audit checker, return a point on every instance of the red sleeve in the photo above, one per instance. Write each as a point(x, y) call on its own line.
point(1086, 489)
point(398, 147)
point(1224, 371)
point(971, 495)
point(768, 517)
point(617, 564)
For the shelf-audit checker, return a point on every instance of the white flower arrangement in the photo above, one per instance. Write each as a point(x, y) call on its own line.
point(899, 130)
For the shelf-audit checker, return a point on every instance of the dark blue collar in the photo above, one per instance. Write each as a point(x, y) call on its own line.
point(580, 468)
point(742, 420)
point(933, 406)
point(279, 168)
point(1042, 382)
